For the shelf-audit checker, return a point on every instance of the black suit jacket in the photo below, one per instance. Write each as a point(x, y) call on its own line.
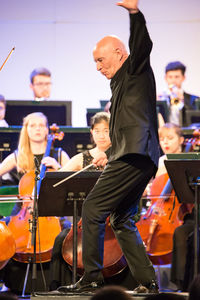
point(189, 104)
point(189, 101)
point(133, 123)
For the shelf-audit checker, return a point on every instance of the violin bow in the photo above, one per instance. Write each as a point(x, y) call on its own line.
point(74, 174)
point(7, 58)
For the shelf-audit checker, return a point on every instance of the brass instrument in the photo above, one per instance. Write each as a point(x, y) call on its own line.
point(174, 100)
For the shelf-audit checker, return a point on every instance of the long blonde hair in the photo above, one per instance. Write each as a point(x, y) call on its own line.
point(25, 157)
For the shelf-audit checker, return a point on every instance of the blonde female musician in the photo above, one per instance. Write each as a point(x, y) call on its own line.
point(171, 141)
point(33, 142)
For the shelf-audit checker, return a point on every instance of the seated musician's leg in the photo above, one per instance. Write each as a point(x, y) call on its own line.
point(179, 252)
point(59, 269)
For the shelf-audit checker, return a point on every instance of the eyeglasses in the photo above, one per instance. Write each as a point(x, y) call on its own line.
point(47, 84)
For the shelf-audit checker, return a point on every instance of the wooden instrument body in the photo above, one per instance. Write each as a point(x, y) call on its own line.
point(157, 226)
point(21, 226)
point(7, 244)
point(114, 260)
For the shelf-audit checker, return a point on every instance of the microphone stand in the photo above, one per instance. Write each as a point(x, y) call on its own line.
point(33, 232)
point(34, 225)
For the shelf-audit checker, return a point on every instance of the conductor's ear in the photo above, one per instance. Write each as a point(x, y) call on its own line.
point(181, 140)
point(119, 53)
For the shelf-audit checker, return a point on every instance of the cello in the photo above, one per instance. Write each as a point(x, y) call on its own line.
point(21, 224)
point(7, 244)
point(157, 225)
point(114, 260)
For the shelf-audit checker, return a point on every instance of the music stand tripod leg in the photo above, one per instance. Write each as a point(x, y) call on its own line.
point(74, 260)
point(74, 270)
point(196, 229)
point(75, 231)
point(26, 278)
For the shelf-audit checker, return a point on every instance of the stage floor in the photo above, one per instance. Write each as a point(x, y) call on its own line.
point(87, 296)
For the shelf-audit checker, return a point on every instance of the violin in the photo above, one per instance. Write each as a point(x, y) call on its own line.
point(157, 225)
point(193, 144)
point(114, 260)
point(47, 228)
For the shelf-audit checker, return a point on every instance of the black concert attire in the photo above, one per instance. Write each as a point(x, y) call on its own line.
point(189, 265)
point(13, 274)
point(179, 253)
point(189, 104)
point(133, 160)
point(14, 177)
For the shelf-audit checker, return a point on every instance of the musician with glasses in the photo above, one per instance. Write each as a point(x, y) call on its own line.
point(40, 83)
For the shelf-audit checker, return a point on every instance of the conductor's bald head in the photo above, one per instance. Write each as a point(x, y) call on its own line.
point(109, 55)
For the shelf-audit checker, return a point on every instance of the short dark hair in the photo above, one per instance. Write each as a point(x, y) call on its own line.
point(99, 117)
point(111, 292)
point(3, 100)
point(39, 71)
point(175, 65)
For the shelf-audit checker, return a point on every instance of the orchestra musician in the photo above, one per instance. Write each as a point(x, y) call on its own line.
point(160, 220)
point(177, 99)
point(32, 143)
point(60, 273)
point(171, 141)
point(40, 84)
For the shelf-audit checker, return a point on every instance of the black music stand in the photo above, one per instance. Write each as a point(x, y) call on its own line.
point(66, 199)
point(185, 178)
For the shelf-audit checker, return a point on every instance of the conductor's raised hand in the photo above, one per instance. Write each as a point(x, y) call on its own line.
point(100, 160)
point(130, 5)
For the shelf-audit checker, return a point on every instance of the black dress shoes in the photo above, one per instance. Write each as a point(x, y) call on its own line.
point(150, 288)
point(81, 286)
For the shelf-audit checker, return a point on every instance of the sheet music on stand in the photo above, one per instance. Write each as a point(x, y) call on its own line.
point(53, 201)
point(184, 173)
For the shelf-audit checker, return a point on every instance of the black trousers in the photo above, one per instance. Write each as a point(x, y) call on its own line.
point(117, 193)
point(179, 252)
point(60, 273)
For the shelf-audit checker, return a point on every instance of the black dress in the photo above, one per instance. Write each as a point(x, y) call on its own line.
point(179, 253)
